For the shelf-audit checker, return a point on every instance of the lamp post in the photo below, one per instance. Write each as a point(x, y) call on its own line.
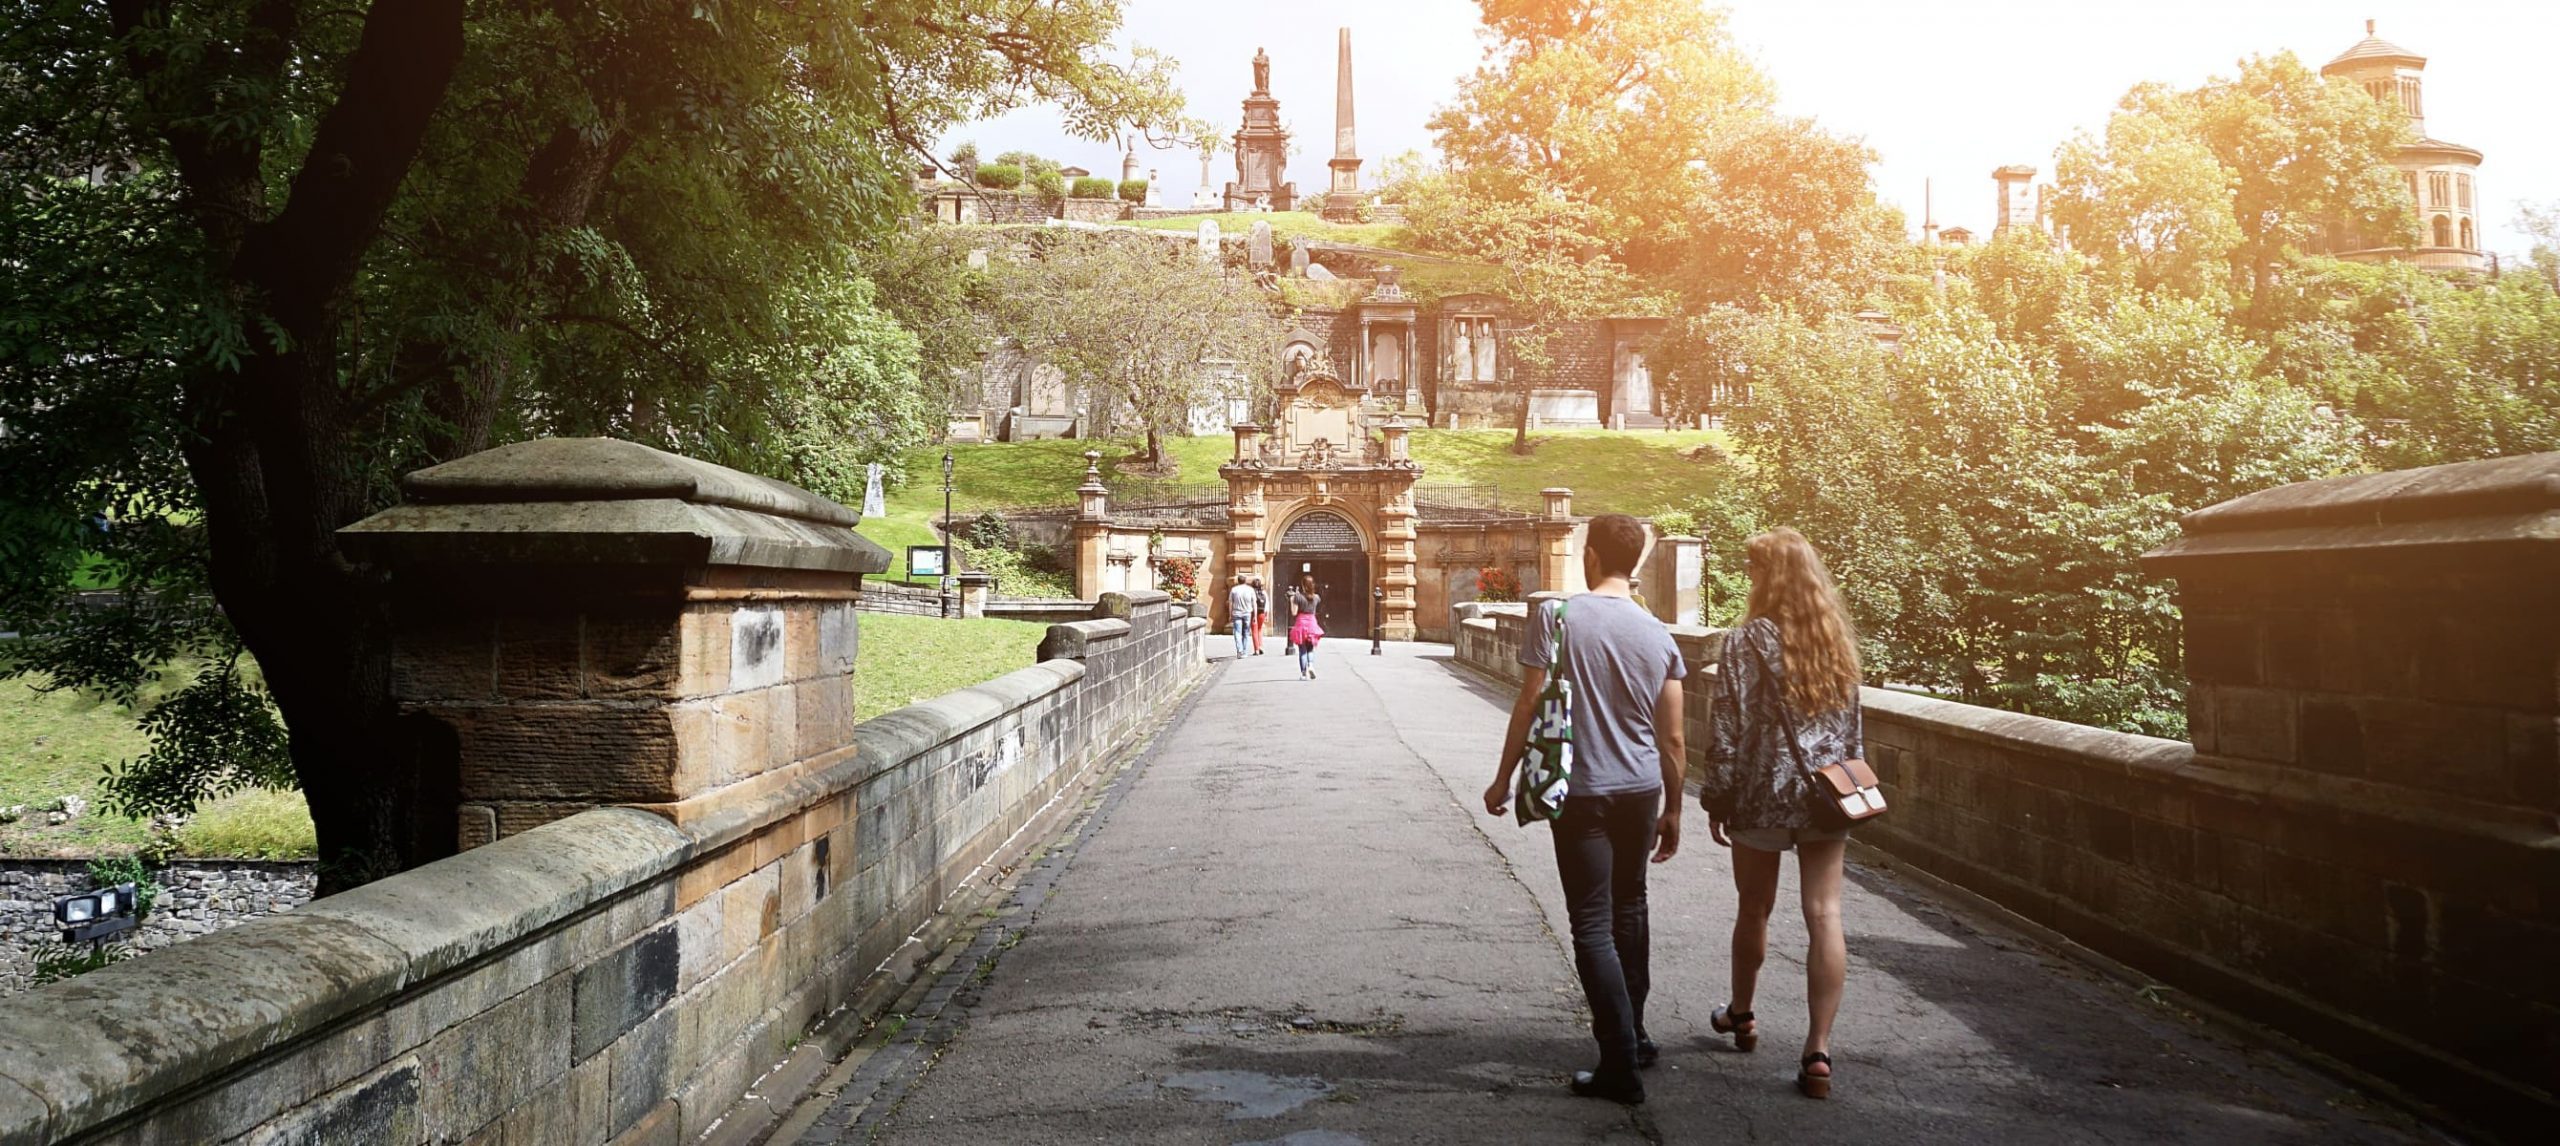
point(1377, 600)
point(946, 533)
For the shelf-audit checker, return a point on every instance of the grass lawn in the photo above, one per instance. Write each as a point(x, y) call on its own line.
point(907, 659)
point(58, 744)
point(1635, 471)
point(1287, 225)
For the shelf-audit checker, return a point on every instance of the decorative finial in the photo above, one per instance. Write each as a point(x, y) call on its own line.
point(2368, 27)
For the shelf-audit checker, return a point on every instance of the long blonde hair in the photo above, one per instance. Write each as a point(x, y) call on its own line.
point(1817, 648)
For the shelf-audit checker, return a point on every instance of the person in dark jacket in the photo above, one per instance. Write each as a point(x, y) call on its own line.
point(1786, 702)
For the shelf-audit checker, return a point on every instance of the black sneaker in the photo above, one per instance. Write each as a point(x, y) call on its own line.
point(1647, 1054)
point(1624, 1088)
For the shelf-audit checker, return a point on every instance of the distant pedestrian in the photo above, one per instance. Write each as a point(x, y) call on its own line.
point(1241, 600)
point(1622, 671)
point(1261, 612)
point(1304, 629)
point(1786, 703)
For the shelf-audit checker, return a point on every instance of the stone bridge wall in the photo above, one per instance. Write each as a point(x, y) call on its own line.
point(197, 897)
point(617, 974)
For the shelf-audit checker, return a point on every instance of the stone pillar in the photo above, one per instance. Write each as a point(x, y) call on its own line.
point(2374, 695)
point(975, 588)
point(1673, 573)
point(1555, 540)
point(1092, 531)
point(2399, 628)
point(588, 621)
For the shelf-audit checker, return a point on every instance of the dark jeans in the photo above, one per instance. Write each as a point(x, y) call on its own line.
point(1603, 844)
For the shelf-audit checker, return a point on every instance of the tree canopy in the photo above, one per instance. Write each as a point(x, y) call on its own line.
point(268, 255)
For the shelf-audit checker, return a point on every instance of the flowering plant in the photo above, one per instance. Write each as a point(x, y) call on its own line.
point(1497, 584)
point(1181, 577)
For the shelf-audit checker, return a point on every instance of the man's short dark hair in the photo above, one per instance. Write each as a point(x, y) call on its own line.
point(1617, 542)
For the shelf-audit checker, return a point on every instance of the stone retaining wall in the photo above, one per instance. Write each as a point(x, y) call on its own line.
point(197, 897)
point(904, 600)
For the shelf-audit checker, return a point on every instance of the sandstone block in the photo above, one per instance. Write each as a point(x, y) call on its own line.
point(617, 992)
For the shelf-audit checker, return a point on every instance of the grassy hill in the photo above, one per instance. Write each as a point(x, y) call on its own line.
point(1637, 471)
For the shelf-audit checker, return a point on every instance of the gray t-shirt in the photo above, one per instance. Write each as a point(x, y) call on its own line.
point(1617, 656)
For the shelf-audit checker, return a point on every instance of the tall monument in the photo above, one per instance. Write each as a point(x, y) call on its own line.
point(1262, 150)
point(1342, 200)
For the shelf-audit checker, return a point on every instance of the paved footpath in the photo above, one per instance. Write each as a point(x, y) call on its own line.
point(1295, 924)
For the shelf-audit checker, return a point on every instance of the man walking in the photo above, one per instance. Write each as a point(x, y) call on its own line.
point(1624, 671)
point(1240, 606)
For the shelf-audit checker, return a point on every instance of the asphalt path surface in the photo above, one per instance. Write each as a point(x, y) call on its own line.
point(1293, 923)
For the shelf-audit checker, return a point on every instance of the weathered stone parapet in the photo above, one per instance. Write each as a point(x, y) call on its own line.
point(2403, 628)
point(617, 975)
point(591, 621)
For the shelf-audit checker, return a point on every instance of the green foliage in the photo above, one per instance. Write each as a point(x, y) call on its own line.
point(1139, 321)
point(1030, 164)
point(1000, 176)
point(247, 291)
point(963, 161)
point(1049, 188)
point(1016, 572)
point(54, 962)
point(214, 737)
point(112, 871)
point(1090, 187)
point(1676, 523)
point(1133, 190)
point(908, 659)
point(988, 530)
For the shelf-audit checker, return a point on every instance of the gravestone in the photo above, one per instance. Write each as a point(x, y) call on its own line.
point(1318, 272)
point(1298, 257)
point(978, 259)
point(1258, 256)
point(1155, 198)
point(873, 506)
point(1208, 242)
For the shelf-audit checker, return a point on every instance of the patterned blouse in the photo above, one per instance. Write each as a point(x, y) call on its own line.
point(1752, 780)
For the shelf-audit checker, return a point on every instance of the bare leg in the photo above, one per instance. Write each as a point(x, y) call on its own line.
point(1755, 885)
point(1818, 872)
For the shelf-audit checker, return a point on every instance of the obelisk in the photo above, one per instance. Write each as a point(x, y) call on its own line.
point(1342, 200)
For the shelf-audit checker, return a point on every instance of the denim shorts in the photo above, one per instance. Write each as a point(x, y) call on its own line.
point(1782, 839)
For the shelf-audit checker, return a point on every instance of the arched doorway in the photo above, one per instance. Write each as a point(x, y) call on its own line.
point(1326, 544)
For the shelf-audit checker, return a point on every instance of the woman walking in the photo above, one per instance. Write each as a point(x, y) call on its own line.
point(1304, 631)
point(1787, 704)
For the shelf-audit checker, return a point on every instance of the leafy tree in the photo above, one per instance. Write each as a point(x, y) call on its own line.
point(265, 257)
point(2543, 223)
point(1786, 213)
point(2252, 169)
point(1609, 103)
point(1139, 320)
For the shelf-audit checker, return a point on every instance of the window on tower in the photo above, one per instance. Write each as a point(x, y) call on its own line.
point(2444, 230)
point(2462, 191)
point(2439, 189)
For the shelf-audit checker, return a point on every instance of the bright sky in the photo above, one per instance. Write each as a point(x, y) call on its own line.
point(1942, 89)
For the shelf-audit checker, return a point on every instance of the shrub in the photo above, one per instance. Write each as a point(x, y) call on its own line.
point(1091, 187)
point(1497, 584)
point(999, 176)
point(1050, 187)
point(988, 530)
point(1676, 523)
point(964, 161)
point(1014, 575)
point(1133, 190)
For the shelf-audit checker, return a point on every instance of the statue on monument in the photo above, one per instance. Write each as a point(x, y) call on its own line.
point(1261, 72)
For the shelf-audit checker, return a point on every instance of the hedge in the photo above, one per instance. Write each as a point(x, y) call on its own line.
point(999, 176)
point(1092, 187)
point(1133, 190)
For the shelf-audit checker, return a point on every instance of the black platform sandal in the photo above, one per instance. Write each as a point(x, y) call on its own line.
point(1739, 1024)
point(1813, 1085)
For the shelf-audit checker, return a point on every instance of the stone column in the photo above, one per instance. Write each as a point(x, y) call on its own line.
point(2401, 628)
point(589, 621)
point(975, 588)
point(1671, 578)
point(2374, 695)
point(1092, 530)
point(1555, 540)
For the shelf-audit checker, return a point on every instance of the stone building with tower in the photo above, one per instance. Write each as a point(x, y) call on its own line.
point(2442, 178)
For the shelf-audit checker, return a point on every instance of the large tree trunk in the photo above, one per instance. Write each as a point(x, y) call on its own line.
point(277, 454)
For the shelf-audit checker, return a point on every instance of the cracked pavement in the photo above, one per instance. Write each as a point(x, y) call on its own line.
point(1296, 925)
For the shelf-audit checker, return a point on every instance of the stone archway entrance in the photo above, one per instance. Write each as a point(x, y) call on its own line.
point(1327, 545)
